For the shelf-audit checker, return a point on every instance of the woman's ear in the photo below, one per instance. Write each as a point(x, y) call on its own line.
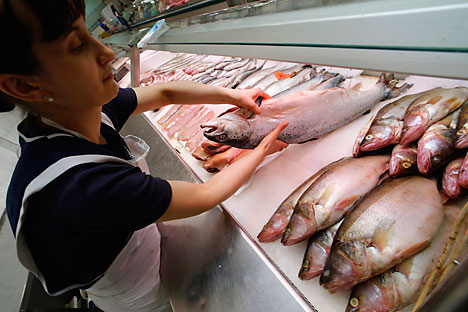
point(21, 87)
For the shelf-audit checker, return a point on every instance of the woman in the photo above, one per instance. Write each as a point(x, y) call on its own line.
point(83, 216)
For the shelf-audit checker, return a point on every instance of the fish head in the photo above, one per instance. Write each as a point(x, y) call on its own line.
point(369, 297)
point(381, 134)
point(230, 129)
point(434, 149)
point(415, 124)
point(462, 138)
point(274, 229)
point(301, 226)
point(313, 266)
point(403, 161)
point(341, 272)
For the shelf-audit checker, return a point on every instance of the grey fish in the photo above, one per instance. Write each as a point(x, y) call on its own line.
point(310, 114)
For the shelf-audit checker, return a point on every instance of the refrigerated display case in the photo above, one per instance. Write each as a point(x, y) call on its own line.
point(219, 264)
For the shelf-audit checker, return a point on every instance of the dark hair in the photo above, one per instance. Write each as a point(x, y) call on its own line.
point(18, 33)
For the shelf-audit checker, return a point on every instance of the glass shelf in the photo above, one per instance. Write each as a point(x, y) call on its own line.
point(425, 37)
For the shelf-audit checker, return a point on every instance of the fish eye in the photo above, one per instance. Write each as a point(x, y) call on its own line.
point(305, 265)
point(354, 302)
point(369, 137)
point(406, 165)
point(222, 137)
point(461, 132)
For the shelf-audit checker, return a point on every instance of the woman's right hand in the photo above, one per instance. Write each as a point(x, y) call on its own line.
point(270, 144)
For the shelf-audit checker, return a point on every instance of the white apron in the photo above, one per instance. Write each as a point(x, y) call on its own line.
point(132, 282)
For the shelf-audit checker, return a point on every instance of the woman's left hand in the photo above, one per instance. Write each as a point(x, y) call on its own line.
point(246, 98)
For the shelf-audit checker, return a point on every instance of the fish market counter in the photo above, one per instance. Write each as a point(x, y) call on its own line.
point(214, 262)
point(209, 262)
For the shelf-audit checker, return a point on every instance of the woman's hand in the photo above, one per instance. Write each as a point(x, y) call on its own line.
point(270, 144)
point(246, 98)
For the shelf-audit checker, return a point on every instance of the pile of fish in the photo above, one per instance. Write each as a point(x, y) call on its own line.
point(428, 132)
point(362, 233)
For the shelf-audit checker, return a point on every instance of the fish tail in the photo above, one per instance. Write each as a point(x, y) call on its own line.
point(391, 90)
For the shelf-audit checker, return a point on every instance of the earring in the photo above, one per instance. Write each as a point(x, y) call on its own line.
point(48, 99)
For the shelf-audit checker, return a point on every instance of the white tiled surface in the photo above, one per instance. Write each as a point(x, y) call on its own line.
point(12, 274)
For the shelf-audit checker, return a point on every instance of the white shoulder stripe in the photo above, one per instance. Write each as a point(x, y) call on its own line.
point(48, 175)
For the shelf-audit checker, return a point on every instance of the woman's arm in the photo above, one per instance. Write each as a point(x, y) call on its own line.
point(190, 199)
point(189, 92)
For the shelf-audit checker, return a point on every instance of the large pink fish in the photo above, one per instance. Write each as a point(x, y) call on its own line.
point(429, 109)
point(437, 144)
point(450, 180)
point(276, 225)
point(463, 174)
point(399, 286)
point(333, 194)
point(395, 221)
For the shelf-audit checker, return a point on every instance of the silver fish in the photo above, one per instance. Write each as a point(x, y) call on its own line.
point(310, 115)
point(395, 221)
point(287, 83)
point(254, 78)
point(308, 84)
point(273, 77)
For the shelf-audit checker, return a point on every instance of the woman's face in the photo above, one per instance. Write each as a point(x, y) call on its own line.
point(76, 71)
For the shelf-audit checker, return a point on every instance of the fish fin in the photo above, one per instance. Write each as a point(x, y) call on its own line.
point(381, 236)
point(357, 86)
point(313, 139)
point(326, 194)
point(347, 202)
point(413, 249)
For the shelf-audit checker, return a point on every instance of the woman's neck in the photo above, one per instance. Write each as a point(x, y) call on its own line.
point(87, 123)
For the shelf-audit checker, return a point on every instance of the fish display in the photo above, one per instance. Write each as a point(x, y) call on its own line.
point(403, 161)
point(332, 195)
point(395, 221)
point(310, 114)
point(399, 286)
point(277, 224)
point(387, 125)
point(316, 255)
point(429, 109)
point(450, 179)
point(437, 144)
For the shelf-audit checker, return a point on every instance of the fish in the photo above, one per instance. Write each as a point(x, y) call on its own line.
point(462, 128)
point(387, 125)
point(333, 194)
point(463, 174)
point(194, 126)
point(429, 109)
point(239, 78)
point(169, 113)
point(328, 83)
point(250, 81)
point(403, 161)
point(273, 77)
point(399, 287)
point(310, 114)
point(212, 148)
point(201, 154)
point(194, 142)
point(174, 117)
point(309, 84)
point(183, 119)
point(318, 249)
point(450, 179)
point(278, 222)
point(284, 84)
point(219, 161)
point(437, 144)
point(399, 218)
